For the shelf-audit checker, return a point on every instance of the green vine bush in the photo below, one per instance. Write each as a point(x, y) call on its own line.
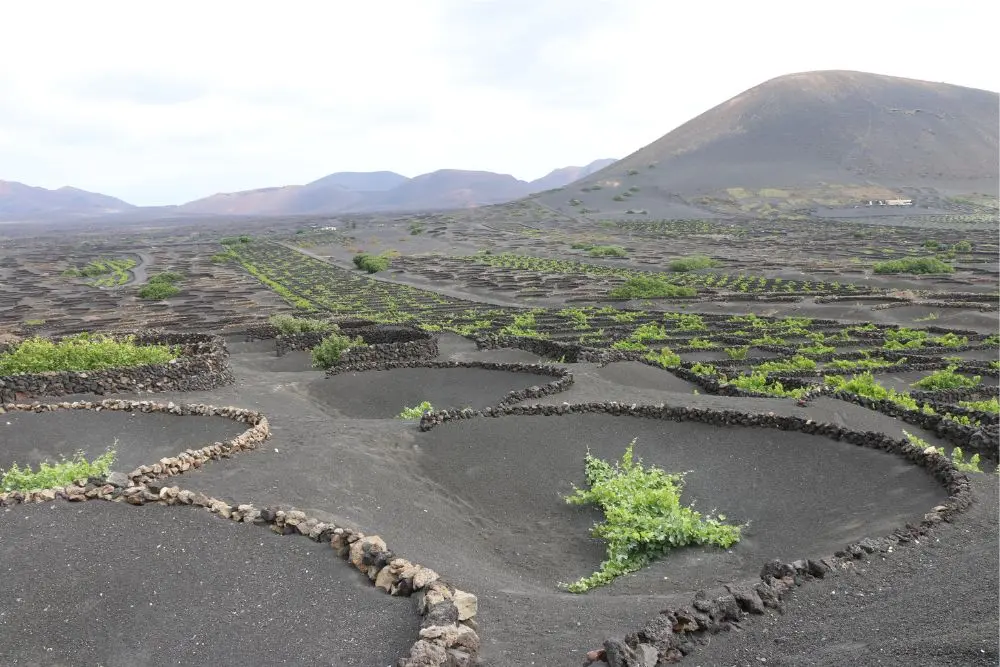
point(50, 475)
point(83, 352)
point(328, 352)
point(643, 517)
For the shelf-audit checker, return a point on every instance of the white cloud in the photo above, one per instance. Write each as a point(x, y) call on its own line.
point(161, 103)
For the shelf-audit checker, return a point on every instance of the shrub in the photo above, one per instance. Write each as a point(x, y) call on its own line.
point(957, 455)
point(692, 263)
point(328, 352)
point(947, 378)
point(417, 412)
point(665, 359)
point(962, 246)
point(991, 405)
point(643, 517)
point(61, 473)
point(523, 325)
point(850, 365)
point(796, 363)
point(371, 263)
point(289, 324)
point(737, 353)
point(864, 384)
point(758, 382)
point(914, 265)
point(83, 352)
point(158, 291)
point(650, 287)
point(607, 251)
point(701, 344)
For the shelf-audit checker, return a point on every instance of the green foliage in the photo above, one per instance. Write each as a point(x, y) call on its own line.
point(706, 370)
point(577, 316)
point(768, 339)
point(417, 412)
point(962, 246)
point(914, 265)
point(950, 340)
point(161, 286)
point(158, 291)
point(523, 325)
point(665, 358)
point(758, 382)
point(607, 251)
point(957, 455)
point(643, 517)
point(947, 378)
point(992, 340)
point(290, 324)
point(992, 405)
point(701, 344)
point(223, 257)
point(816, 349)
point(103, 272)
point(371, 263)
point(796, 363)
point(862, 364)
point(647, 332)
point(686, 321)
point(51, 475)
point(83, 352)
point(629, 345)
point(737, 353)
point(692, 263)
point(626, 316)
point(864, 384)
point(235, 240)
point(328, 352)
point(650, 287)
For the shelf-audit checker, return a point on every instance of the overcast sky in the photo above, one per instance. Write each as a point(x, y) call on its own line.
point(163, 102)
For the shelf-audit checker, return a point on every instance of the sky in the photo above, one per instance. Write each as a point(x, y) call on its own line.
point(165, 102)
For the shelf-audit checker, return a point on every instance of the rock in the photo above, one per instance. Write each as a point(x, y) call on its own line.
point(597, 655)
point(434, 594)
point(748, 600)
point(647, 655)
point(457, 658)
point(425, 653)
point(443, 613)
point(453, 636)
point(118, 479)
point(423, 577)
point(373, 543)
point(467, 604)
point(619, 654)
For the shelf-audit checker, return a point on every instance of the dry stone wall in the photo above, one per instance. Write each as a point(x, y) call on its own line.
point(203, 364)
point(675, 632)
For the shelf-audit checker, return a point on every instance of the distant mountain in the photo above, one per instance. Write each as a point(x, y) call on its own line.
point(560, 178)
point(804, 139)
point(356, 192)
point(361, 181)
point(18, 200)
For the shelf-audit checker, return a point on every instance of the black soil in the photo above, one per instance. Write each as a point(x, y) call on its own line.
point(138, 438)
point(384, 394)
point(903, 608)
point(801, 495)
point(110, 584)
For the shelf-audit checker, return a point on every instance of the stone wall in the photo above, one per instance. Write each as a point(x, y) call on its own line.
point(675, 631)
point(203, 364)
point(448, 615)
point(384, 343)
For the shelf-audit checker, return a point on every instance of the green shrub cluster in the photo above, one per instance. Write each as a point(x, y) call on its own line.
point(973, 464)
point(50, 475)
point(328, 352)
point(607, 251)
point(865, 384)
point(161, 286)
point(650, 287)
point(83, 352)
point(371, 263)
point(947, 378)
point(692, 263)
point(417, 412)
point(643, 517)
point(914, 265)
point(758, 382)
point(290, 324)
point(991, 405)
point(796, 363)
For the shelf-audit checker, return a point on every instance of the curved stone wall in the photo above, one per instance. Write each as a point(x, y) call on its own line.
point(203, 364)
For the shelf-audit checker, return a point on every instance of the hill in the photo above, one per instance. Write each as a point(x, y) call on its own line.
point(815, 138)
point(355, 192)
point(18, 200)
